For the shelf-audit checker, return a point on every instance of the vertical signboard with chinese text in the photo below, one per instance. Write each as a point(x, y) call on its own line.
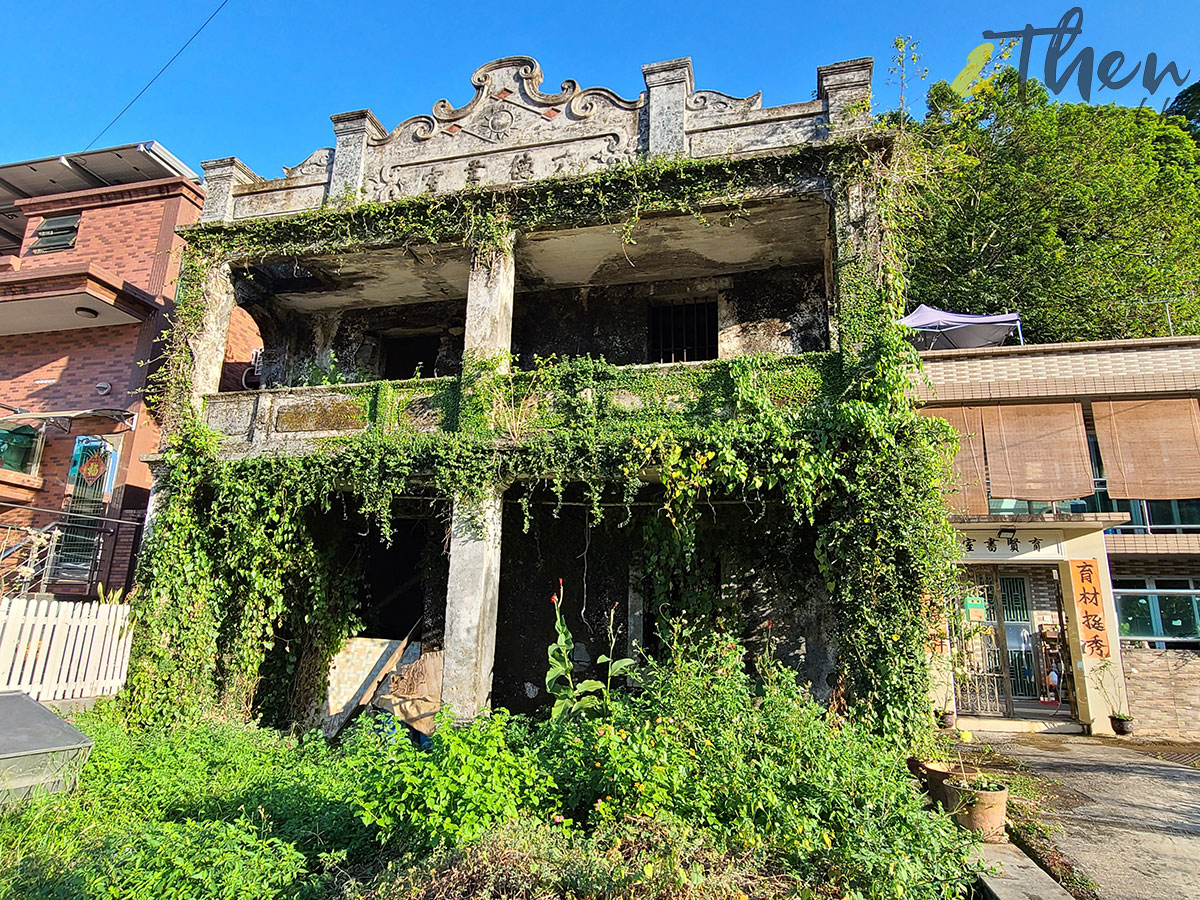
point(1089, 607)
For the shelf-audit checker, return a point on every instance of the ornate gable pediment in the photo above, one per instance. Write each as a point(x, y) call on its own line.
point(508, 133)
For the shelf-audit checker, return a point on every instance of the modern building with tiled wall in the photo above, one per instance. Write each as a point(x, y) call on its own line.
point(89, 257)
point(1073, 454)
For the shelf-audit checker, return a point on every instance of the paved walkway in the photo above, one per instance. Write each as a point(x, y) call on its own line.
point(1131, 821)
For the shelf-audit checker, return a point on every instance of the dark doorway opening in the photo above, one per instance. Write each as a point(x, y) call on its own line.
point(396, 582)
point(411, 355)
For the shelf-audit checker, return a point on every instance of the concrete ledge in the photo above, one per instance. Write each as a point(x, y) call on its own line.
point(990, 724)
point(1017, 876)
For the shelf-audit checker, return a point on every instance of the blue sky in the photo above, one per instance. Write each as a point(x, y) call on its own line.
point(261, 82)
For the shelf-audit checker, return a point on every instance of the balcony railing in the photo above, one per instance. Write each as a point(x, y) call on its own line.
point(64, 553)
point(679, 395)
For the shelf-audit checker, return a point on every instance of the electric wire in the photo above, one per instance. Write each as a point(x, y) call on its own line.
point(149, 83)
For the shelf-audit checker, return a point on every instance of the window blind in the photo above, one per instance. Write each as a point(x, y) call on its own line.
point(1037, 451)
point(1150, 448)
point(968, 493)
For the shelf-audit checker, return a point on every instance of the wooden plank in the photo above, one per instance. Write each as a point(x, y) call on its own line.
point(41, 657)
point(51, 674)
point(108, 648)
point(123, 648)
point(12, 615)
point(90, 654)
point(71, 677)
point(28, 646)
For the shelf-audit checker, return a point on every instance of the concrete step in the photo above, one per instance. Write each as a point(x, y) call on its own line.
point(992, 724)
point(1018, 877)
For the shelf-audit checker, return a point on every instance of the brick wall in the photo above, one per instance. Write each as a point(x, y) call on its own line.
point(241, 341)
point(1180, 566)
point(129, 231)
point(1164, 691)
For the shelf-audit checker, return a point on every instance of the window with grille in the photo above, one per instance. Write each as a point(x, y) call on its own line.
point(683, 331)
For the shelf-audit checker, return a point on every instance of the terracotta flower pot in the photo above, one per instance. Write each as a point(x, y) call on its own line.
point(982, 812)
point(1121, 726)
point(936, 774)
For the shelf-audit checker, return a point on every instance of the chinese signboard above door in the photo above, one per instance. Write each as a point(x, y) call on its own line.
point(1089, 606)
point(1023, 546)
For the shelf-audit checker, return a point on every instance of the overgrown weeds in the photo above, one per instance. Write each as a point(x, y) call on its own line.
point(713, 779)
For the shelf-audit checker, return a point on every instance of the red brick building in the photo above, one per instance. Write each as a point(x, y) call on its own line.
point(89, 258)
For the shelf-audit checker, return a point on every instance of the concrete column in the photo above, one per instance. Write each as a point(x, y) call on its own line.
point(221, 177)
point(845, 88)
point(667, 87)
point(1099, 679)
point(208, 347)
point(352, 130)
point(490, 303)
point(472, 598)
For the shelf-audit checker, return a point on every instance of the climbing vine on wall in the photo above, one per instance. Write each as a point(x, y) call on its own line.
point(244, 575)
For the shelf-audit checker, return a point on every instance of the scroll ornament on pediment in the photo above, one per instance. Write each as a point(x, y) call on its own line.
point(508, 132)
point(716, 102)
point(319, 162)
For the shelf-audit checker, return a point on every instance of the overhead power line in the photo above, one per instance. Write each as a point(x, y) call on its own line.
point(195, 35)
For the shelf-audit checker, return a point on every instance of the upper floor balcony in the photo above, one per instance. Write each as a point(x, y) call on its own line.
point(86, 240)
point(515, 408)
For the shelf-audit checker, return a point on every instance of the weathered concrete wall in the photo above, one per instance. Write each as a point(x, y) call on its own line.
point(297, 343)
point(776, 311)
point(779, 310)
point(1164, 691)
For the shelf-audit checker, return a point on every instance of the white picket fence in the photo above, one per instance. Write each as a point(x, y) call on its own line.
point(54, 650)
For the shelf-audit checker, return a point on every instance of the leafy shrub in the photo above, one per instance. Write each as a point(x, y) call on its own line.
point(762, 769)
point(469, 778)
point(201, 861)
point(183, 788)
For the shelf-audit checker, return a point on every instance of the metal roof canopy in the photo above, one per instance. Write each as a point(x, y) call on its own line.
point(39, 752)
point(127, 164)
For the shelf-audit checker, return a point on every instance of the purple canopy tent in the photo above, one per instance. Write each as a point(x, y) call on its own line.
point(935, 329)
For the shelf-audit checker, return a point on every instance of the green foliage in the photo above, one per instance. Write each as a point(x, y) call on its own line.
point(200, 860)
point(642, 859)
point(1082, 218)
point(469, 779)
point(706, 782)
point(1187, 106)
point(759, 766)
point(198, 810)
point(589, 697)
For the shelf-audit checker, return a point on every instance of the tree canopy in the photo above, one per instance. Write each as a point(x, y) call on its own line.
point(1187, 106)
point(1085, 219)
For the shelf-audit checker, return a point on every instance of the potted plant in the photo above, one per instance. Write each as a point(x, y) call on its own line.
point(939, 772)
point(1122, 723)
point(978, 804)
point(947, 719)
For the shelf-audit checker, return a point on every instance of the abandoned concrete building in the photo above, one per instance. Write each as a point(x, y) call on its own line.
point(690, 289)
